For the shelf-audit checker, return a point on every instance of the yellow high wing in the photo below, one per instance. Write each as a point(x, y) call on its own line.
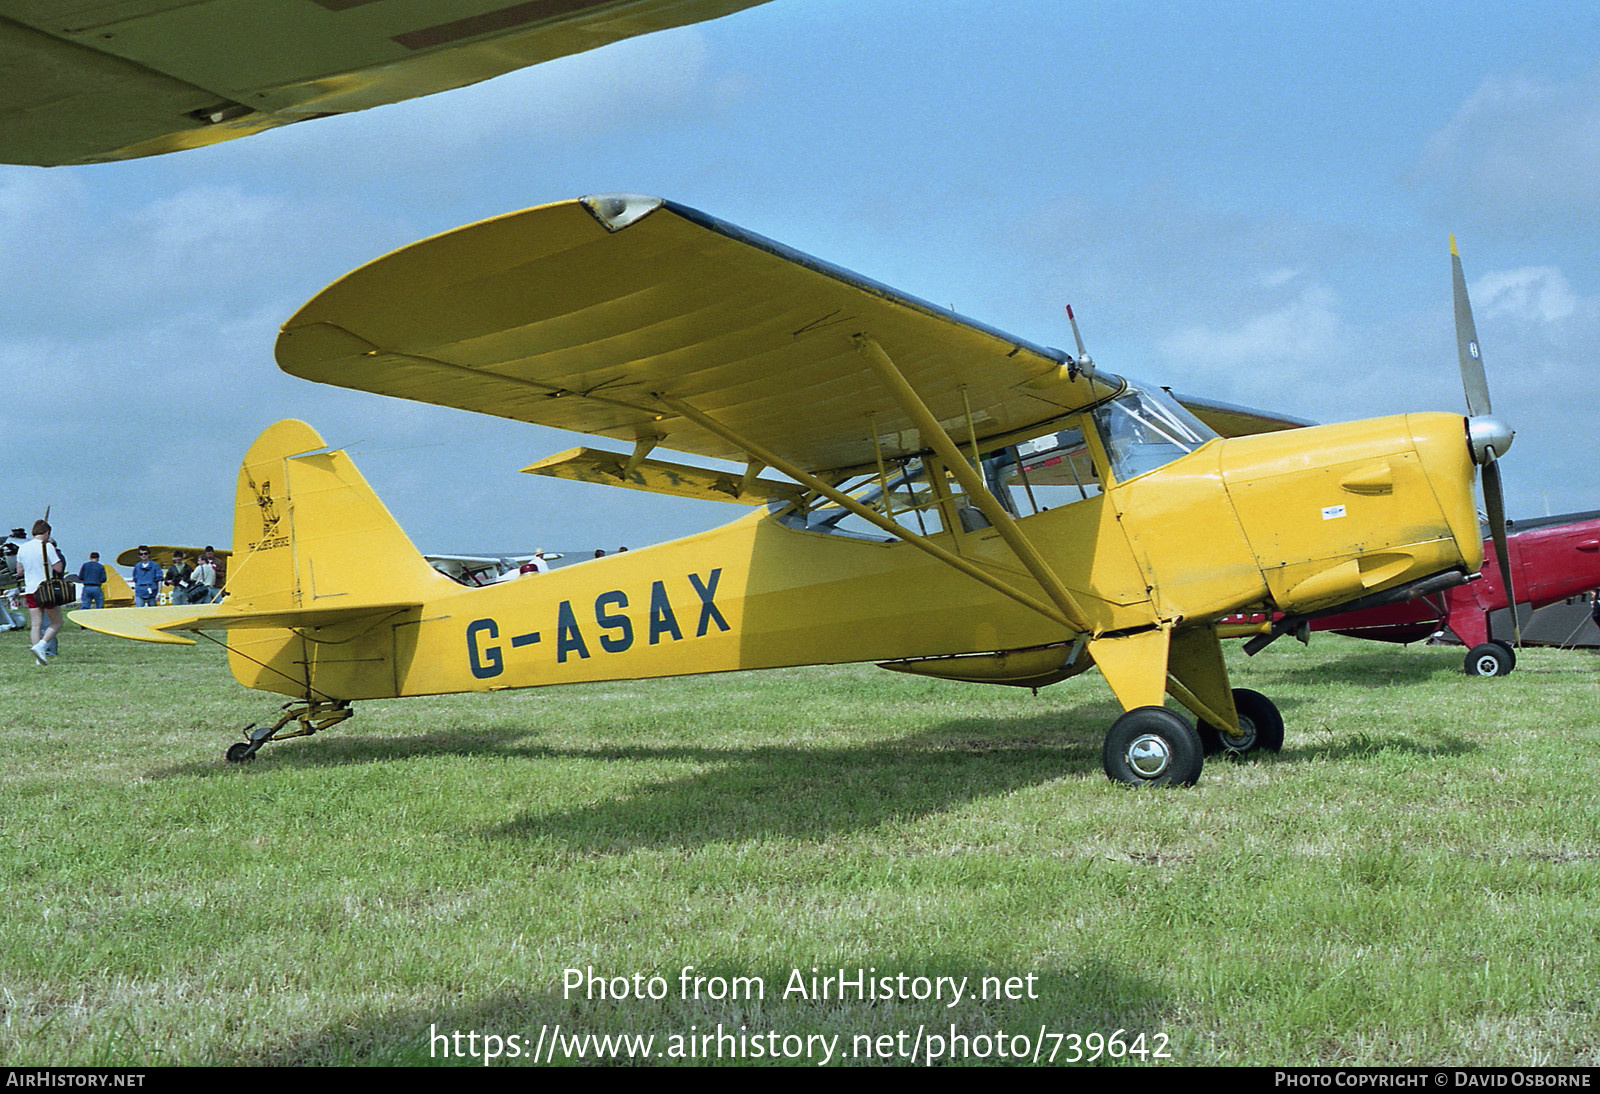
point(86, 83)
point(642, 320)
point(635, 318)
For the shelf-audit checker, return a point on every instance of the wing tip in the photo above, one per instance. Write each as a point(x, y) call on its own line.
point(617, 211)
point(137, 624)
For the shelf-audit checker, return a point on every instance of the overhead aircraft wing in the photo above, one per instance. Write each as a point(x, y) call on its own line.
point(158, 624)
point(84, 81)
point(612, 314)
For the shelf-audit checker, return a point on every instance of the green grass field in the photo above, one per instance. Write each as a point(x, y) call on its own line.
point(1414, 879)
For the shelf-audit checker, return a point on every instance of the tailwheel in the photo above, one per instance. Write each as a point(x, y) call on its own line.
point(1151, 746)
point(1490, 659)
point(1258, 717)
point(309, 716)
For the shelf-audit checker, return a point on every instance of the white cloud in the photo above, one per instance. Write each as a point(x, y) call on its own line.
point(1530, 294)
point(31, 197)
point(570, 98)
point(1519, 147)
point(202, 217)
point(1302, 332)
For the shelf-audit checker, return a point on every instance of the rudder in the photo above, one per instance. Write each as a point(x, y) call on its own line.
point(308, 531)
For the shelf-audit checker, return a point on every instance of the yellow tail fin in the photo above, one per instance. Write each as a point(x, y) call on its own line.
point(308, 532)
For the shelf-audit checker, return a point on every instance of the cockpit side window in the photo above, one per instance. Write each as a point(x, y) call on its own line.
point(1026, 477)
point(1043, 473)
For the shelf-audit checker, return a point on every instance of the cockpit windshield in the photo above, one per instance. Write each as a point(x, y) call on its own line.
point(1144, 428)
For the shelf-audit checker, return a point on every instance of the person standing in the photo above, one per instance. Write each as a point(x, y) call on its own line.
point(208, 578)
point(36, 561)
point(146, 579)
point(180, 575)
point(92, 577)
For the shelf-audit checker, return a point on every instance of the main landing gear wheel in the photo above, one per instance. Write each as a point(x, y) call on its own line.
point(1490, 659)
point(1258, 717)
point(1151, 746)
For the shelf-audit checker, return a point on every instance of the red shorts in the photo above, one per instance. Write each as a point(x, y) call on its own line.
point(27, 598)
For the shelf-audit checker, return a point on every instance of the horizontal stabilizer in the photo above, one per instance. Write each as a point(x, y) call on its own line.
point(157, 624)
point(661, 477)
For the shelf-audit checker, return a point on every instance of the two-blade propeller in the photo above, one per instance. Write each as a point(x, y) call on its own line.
point(1489, 436)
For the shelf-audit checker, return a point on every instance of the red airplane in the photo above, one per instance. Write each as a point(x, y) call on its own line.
point(1552, 558)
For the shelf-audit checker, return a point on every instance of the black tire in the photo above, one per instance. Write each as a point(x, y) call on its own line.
point(1511, 651)
point(1489, 659)
point(240, 752)
point(1258, 717)
point(1151, 746)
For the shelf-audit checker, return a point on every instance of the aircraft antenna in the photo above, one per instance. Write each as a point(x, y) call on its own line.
point(1083, 365)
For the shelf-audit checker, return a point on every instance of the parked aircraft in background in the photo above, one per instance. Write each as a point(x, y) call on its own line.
point(955, 501)
point(162, 555)
point(89, 82)
point(116, 591)
point(478, 570)
point(1567, 624)
point(1552, 558)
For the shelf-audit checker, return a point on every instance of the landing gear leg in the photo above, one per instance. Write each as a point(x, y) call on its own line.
point(1258, 717)
point(1508, 647)
point(310, 716)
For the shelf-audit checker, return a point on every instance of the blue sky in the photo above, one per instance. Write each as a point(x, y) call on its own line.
point(1247, 201)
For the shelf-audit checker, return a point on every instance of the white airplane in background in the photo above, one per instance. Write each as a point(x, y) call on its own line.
point(478, 570)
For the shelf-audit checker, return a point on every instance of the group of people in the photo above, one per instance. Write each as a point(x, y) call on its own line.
point(200, 583)
point(38, 559)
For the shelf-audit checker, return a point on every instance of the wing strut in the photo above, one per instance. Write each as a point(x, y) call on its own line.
point(934, 434)
point(838, 497)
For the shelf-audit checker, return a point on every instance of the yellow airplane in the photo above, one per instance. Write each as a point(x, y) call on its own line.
point(116, 591)
point(162, 554)
point(87, 83)
point(949, 500)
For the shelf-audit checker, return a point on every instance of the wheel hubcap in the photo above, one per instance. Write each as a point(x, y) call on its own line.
point(1244, 743)
point(1149, 755)
point(1488, 665)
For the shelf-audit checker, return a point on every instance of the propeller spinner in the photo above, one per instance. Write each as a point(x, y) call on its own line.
point(1488, 435)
